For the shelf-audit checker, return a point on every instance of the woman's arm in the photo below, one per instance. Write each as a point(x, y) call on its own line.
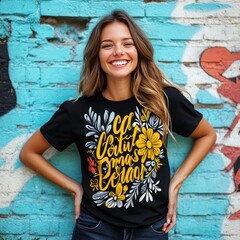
point(31, 156)
point(204, 138)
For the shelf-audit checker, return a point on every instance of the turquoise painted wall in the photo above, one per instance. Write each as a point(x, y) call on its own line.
point(45, 41)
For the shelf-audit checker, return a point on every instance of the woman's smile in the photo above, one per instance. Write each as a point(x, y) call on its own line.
point(119, 63)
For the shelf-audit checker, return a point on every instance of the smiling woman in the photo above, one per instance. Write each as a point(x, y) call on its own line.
point(120, 126)
point(118, 59)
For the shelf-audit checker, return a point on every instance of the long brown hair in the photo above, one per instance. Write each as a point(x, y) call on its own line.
point(147, 80)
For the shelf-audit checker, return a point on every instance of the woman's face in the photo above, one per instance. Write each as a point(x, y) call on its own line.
point(118, 54)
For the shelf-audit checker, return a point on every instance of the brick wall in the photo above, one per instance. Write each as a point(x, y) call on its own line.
point(197, 44)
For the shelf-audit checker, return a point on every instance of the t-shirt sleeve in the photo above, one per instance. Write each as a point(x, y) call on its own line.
point(184, 117)
point(58, 130)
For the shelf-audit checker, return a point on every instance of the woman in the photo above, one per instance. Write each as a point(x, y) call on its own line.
point(120, 126)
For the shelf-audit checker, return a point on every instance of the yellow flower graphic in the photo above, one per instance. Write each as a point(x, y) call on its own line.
point(117, 197)
point(149, 144)
point(157, 165)
point(145, 114)
point(94, 184)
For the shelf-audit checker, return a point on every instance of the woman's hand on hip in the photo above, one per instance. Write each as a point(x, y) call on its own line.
point(172, 209)
point(77, 194)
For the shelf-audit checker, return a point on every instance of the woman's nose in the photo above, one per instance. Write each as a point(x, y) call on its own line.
point(118, 51)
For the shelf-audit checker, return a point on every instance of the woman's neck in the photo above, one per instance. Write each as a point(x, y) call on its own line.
point(117, 91)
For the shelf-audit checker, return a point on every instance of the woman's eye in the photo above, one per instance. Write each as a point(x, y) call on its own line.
point(128, 44)
point(106, 46)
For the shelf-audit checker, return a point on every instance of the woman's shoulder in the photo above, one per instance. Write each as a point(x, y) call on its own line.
point(172, 92)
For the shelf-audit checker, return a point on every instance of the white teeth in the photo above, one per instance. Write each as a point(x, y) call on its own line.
point(118, 63)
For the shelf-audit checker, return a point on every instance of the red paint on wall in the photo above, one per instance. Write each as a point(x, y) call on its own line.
point(215, 61)
point(235, 216)
point(235, 122)
point(232, 153)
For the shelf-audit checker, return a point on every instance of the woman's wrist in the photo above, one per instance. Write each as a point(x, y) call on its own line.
point(74, 187)
point(175, 185)
point(78, 190)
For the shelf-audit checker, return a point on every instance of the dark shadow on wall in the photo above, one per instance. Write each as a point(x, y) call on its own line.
point(237, 174)
point(8, 98)
point(148, 1)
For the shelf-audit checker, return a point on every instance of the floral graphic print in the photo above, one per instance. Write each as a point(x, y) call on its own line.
point(96, 127)
point(92, 165)
point(124, 157)
point(117, 197)
point(149, 144)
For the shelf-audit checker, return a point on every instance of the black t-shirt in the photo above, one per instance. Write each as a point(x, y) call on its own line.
point(125, 170)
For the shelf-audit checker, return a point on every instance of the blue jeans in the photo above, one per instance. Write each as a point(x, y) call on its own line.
point(89, 227)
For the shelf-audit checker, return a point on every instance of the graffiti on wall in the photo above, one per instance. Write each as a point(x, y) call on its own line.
point(224, 66)
point(7, 103)
point(13, 174)
point(12, 179)
point(7, 95)
point(219, 67)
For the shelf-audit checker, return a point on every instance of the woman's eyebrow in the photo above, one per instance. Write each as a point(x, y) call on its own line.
point(109, 40)
point(106, 40)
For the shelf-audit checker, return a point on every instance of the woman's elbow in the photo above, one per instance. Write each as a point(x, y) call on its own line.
point(213, 136)
point(23, 155)
point(35, 146)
